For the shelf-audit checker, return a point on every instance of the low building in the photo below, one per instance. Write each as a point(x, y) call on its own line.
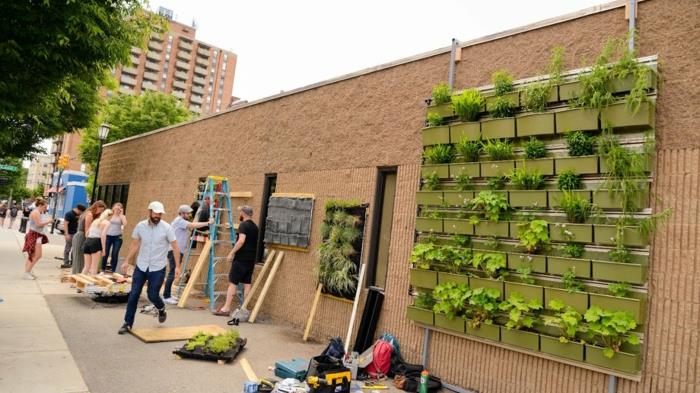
point(40, 171)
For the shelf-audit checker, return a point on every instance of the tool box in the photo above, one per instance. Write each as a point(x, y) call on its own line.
point(295, 368)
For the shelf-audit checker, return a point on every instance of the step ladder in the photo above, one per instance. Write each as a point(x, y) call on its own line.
point(221, 210)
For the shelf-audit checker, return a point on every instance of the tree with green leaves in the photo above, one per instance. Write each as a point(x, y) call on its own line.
point(55, 56)
point(129, 115)
point(13, 182)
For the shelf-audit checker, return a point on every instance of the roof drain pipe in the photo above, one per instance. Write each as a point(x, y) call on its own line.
point(454, 58)
point(632, 17)
point(612, 384)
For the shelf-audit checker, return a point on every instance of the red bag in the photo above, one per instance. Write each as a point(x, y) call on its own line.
point(381, 360)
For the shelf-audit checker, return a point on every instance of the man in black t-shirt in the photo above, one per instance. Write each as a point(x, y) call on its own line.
point(243, 255)
point(70, 228)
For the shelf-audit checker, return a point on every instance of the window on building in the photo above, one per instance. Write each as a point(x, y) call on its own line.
point(113, 193)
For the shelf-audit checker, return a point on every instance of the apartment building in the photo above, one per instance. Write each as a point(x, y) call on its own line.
point(40, 169)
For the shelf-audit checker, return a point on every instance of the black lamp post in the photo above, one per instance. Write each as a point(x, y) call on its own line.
point(102, 136)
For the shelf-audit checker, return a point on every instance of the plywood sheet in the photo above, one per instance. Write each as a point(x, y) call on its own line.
point(181, 333)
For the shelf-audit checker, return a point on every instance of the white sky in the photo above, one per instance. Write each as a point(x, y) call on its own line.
point(283, 44)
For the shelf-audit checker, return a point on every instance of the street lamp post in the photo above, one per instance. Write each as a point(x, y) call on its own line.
point(102, 136)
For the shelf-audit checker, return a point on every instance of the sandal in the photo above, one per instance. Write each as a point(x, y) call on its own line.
point(222, 313)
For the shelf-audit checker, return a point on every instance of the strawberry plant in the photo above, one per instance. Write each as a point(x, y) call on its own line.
point(484, 302)
point(520, 311)
point(451, 299)
point(610, 329)
point(565, 318)
point(534, 235)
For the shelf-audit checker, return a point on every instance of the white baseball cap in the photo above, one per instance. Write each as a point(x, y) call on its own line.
point(184, 209)
point(156, 207)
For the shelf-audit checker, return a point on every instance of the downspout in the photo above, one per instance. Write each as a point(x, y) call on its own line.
point(454, 58)
point(632, 17)
point(612, 384)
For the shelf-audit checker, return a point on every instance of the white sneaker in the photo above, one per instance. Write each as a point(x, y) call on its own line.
point(28, 276)
point(170, 300)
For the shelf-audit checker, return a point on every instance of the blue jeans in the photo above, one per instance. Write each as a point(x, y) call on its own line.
point(171, 274)
point(113, 244)
point(155, 281)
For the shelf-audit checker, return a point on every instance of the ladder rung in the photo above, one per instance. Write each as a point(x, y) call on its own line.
point(221, 209)
point(220, 258)
point(221, 241)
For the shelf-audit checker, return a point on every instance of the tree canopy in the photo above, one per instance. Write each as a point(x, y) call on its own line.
point(13, 182)
point(129, 115)
point(54, 57)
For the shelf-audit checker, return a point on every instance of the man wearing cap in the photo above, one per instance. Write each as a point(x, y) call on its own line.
point(181, 225)
point(151, 239)
point(243, 256)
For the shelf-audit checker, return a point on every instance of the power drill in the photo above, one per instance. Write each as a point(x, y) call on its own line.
point(333, 382)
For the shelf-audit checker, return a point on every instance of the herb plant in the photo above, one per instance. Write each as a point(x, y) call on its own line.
point(502, 82)
point(451, 299)
point(619, 289)
point(534, 235)
point(441, 93)
point(524, 271)
point(535, 148)
point(565, 318)
point(431, 181)
point(496, 183)
point(464, 182)
point(498, 150)
point(569, 180)
point(469, 150)
point(462, 240)
point(525, 179)
point(434, 119)
point(468, 105)
point(199, 340)
point(571, 283)
point(494, 206)
point(573, 250)
point(484, 302)
point(520, 311)
point(502, 107)
point(580, 144)
point(491, 263)
point(424, 300)
point(611, 329)
point(439, 154)
point(577, 208)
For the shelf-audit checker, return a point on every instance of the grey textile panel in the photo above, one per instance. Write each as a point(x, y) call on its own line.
point(289, 221)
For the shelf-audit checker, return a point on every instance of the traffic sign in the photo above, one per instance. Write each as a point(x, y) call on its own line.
point(10, 168)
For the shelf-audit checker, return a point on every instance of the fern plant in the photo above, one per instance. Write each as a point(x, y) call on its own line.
point(469, 150)
point(441, 93)
point(525, 179)
point(468, 105)
point(569, 180)
point(502, 107)
point(434, 119)
point(580, 144)
point(439, 154)
point(535, 148)
point(336, 270)
point(577, 208)
point(498, 150)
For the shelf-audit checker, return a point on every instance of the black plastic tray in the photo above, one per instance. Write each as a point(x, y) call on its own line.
point(201, 354)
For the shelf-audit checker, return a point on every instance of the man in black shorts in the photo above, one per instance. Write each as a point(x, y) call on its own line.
point(243, 255)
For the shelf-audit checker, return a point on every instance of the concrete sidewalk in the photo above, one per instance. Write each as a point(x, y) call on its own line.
point(34, 356)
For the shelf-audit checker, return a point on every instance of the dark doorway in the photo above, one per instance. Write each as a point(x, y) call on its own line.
point(268, 190)
point(382, 219)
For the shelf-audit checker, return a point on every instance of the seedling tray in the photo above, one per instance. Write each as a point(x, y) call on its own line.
point(201, 354)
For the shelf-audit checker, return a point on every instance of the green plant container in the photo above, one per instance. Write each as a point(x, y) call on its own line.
point(444, 277)
point(559, 265)
point(490, 228)
point(442, 170)
point(577, 300)
point(436, 135)
point(513, 97)
point(477, 282)
point(613, 303)
point(570, 350)
point(615, 271)
point(582, 165)
point(421, 278)
point(515, 228)
point(420, 315)
point(537, 262)
point(444, 110)
point(619, 116)
point(429, 198)
point(576, 120)
point(648, 165)
point(528, 291)
point(606, 200)
point(627, 83)
point(489, 332)
point(583, 233)
point(528, 198)
point(425, 224)
point(471, 169)
point(544, 165)
point(468, 130)
point(555, 196)
point(458, 227)
point(569, 90)
point(498, 128)
point(496, 168)
point(605, 234)
point(534, 124)
point(457, 198)
point(456, 324)
point(520, 338)
point(553, 96)
point(622, 361)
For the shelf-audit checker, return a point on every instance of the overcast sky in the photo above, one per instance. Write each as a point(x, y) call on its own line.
point(283, 44)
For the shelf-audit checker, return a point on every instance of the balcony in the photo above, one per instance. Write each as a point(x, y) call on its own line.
point(182, 64)
point(129, 70)
point(152, 66)
point(151, 76)
point(200, 71)
point(198, 90)
point(196, 99)
point(157, 37)
point(180, 85)
point(181, 54)
point(202, 62)
point(153, 56)
point(127, 80)
point(199, 80)
point(135, 59)
point(181, 75)
point(204, 52)
point(154, 45)
point(136, 51)
point(125, 90)
point(195, 108)
point(179, 94)
point(184, 45)
point(149, 86)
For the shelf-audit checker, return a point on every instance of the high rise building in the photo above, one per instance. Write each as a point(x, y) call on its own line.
point(40, 169)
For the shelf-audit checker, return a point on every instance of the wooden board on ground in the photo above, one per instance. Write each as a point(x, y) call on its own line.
point(181, 333)
point(199, 265)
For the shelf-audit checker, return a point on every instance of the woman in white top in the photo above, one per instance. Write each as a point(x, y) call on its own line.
point(114, 237)
point(94, 245)
point(35, 237)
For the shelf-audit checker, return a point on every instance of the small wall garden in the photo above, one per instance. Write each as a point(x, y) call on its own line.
point(534, 219)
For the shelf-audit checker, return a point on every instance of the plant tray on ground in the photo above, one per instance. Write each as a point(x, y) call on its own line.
point(202, 354)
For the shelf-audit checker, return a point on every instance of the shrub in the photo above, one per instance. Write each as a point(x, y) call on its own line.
point(525, 179)
point(569, 180)
point(494, 206)
point(534, 235)
point(498, 150)
point(431, 181)
point(441, 93)
point(434, 119)
point(580, 144)
point(502, 82)
point(536, 96)
point(501, 107)
point(535, 148)
point(439, 154)
point(520, 311)
point(610, 329)
point(469, 150)
point(468, 105)
point(577, 209)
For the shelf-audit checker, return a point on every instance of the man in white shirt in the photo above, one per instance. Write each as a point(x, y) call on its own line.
point(152, 239)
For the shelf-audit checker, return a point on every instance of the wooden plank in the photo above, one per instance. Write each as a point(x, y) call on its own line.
point(340, 299)
point(261, 299)
point(201, 262)
point(249, 373)
point(312, 314)
point(104, 281)
point(292, 195)
point(241, 194)
point(355, 304)
point(88, 278)
point(291, 248)
point(181, 333)
point(257, 282)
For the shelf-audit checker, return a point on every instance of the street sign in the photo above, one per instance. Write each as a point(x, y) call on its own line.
point(10, 168)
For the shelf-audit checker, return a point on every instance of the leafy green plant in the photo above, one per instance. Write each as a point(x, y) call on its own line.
point(424, 300)
point(571, 283)
point(464, 182)
point(434, 119)
point(619, 289)
point(594, 86)
point(573, 250)
point(451, 299)
point(491, 263)
point(577, 208)
point(535, 148)
point(460, 259)
point(199, 340)
point(439, 154)
point(468, 105)
point(336, 270)
point(556, 64)
point(492, 243)
point(498, 150)
point(520, 312)
point(431, 181)
point(569, 180)
point(469, 150)
point(526, 179)
point(441, 93)
point(536, 96)
point(502, 82)
point(340, 204)
point(610, 329)
point(494, 206)
point(566, 318)
point(534, 235)
point(484, 302)
point(496, 182)
point(223, 342)
point(462, 240)
point(580, 144)
point(421, 255)
point(502, 107)
point(629, 66)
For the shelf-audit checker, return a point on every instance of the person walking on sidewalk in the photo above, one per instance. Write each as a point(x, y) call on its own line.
point(25, 217)
point(35, 237)
point(14, 210)
point(84, 221)
point(94, 246)
point(114, 237)
point(150, 239)
point(3, 214)
point(70, 226)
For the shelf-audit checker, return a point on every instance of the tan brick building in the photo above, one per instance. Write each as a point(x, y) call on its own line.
point(345, 137)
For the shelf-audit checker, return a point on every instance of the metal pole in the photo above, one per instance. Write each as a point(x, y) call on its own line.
point(453, 56)
point(426, 343)
point(55, 201)
point(632, 24)
point(612, 384)
point(97, 171)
